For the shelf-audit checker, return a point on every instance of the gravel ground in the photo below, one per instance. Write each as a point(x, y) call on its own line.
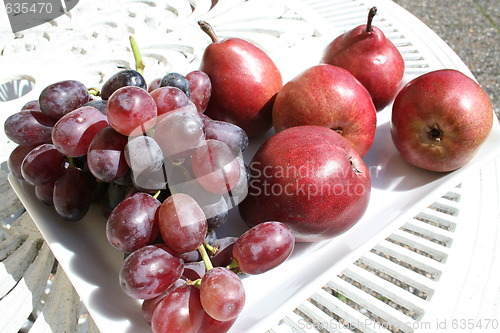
point(472, 29)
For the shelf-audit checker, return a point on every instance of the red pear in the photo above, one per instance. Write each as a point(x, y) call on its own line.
point(328, 96)
point(440, 119)
point(244, 80)
point(371, 57)
point(309, 178)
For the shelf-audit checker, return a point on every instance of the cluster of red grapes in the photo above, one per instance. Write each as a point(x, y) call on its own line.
point(166, 176)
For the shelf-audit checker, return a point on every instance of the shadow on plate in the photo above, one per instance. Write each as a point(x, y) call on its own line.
point(389, 171)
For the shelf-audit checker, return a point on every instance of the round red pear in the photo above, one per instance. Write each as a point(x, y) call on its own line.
point(371, 57)
point(309, 178)
point(244, 81)
point(440, 119)
point(328, 96)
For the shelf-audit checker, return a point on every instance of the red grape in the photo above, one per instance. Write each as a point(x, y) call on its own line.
point(133, 224)
point(216, 167)
point(62, 97)
point(182, 223)
point(232, 135)
point(179, 132)
point(211, 325)
point(149, 305)
point(42, 165)
point(154, 84)
point(106, 157)
point(149, 271)
point(16, 158)
point(201, 89)
point(145, 158)
point(222, 294)
point(73, 133)
point(72, 194)
point(131, 111)
point(29, 128)
point(169, 98)
point(263, 247)
point(180, 311)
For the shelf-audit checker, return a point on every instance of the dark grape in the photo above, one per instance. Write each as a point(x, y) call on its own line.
point(224, 254)
point(222, 294)
point(182, 223)
point(74, 132)
point(126, 77)
point(42, 165)
point(180, 311)
point(28, 128)
point(72, 194)
point(115, 194)
point(201, 89)
point(216, 167)
point(131, 111)
point(31, 106)
point(62, 97)
point(106, 157)
point(16, 158)
point(169, 99)
point(263, 247)
point(194, 270)
point(176, 80)
point(133, 224)
point(98, 104)
point(45, 193)
point(149, 271)
point(211, 236)
point(232, 135)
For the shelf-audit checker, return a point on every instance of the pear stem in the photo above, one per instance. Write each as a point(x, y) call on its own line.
point(207, 28)
point(371, 15)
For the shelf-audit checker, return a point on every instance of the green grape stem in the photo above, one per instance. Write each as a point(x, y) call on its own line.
point(196, 283)
point(139, 63)
point(94, 92)
point(234, 266)
point(205, 257)
point(213, 250)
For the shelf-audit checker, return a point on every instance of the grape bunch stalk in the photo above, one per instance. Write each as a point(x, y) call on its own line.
point(165, 176)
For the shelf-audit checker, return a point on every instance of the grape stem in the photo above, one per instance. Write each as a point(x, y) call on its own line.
point(205, 257)
point(234, 266)
point(94, 91)
point(156, 194)
point(195, 283)
point(213, 250)
point(139, 63)
point(71, 161)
